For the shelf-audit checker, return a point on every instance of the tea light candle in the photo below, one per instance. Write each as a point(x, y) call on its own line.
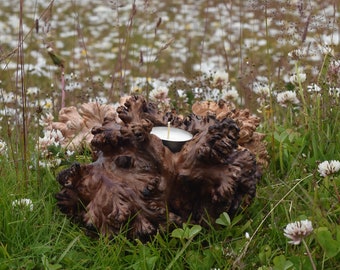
point(171, 134)
point(173, 138)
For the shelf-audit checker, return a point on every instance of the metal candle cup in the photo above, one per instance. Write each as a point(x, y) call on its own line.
point(173, 138)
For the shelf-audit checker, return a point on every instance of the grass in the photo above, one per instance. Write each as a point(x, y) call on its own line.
point(119, 49)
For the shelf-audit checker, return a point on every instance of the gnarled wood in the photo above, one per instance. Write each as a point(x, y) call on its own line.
point(138, 183)
point(76, 124)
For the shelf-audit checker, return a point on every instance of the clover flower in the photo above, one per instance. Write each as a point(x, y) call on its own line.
point(287, 98)
point(159, 94)
point(230, 94)
point(247, 235)
point(328, 167)
point(182, 95)
point(212, 94)
point(298, 53)
point(23, 203)
point(326, 49)
point(51, 137)
point(46, 120)
point(313, 88)
point(32, 91)
point(198, 92)
point(298, 77)
point(3, 148)
point(261, 89)
point(220, 79)
point(334, 91)
point(50, 163)
point(298, 230)
point(69, 153)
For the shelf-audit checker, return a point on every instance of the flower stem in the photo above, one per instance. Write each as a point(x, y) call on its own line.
point(309, 254)
point(336, 190)
point(62, 87)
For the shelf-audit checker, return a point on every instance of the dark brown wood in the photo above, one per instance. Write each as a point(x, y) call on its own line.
point(136, 183)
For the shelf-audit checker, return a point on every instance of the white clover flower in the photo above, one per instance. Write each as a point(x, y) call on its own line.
point(51, 137)
point(328, 167)
point(220, 79)
point(159, 94)
point(69, 153)
point(261, 89)
point(212, 94)
point(51, 163)
point(3, 148)
point(298, 230)
point(181, 93)
point(298, 53)
point(247, 236)
point(23, 203)
point(326, 49)
point(230, 94)
point(334, 91)
point(8, 97)
point(287, 98)
point(46, 120)
point(198, 92)
point(298, 77)
point(313, 88)
point(32, 90)
point(57, 136)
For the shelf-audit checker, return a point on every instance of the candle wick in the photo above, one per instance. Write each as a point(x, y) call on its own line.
point(168, 130)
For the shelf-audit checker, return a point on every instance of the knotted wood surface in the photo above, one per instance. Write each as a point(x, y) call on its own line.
point(137, 183)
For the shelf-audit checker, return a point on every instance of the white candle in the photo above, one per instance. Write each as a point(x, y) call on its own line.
point(171, 134)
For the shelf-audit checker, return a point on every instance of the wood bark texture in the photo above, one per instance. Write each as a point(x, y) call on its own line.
point(137, 184)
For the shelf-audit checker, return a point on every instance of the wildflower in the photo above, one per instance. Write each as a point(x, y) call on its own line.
point(261, 89)
point(334, 91)
point(298, 53)
point(160, 94)
point(3, 148)
point(51, 137)
point(47, 104)
point(247, 236)
point(32, 91)
point(181, 93)
point(46, 120)
point(69, 153)
point(328, 167)
point(230, 94)
point(313, 88)
point(198, 92)
point(298, 77)
point(212, 94)
point(220, 79)
point(23, 203)
point(136, 90)
point(298, 230)
point(8, 97)
point(326, 49)
point(51, 163)
point(287, 98)
point(334, 69)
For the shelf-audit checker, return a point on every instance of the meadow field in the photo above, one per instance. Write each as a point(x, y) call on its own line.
point(280, 59)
